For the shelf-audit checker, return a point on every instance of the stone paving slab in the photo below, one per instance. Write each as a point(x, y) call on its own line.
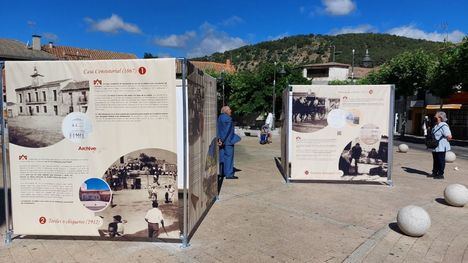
point(260, 218)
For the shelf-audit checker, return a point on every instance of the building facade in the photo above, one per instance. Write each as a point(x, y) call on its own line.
point(54, 98)
point(325, 72)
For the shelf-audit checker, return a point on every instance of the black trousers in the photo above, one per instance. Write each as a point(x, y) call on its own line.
point(153, 230)
point(438, 163)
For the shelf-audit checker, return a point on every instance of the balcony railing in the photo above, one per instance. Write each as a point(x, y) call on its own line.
point(34, 101)
point(82, 100)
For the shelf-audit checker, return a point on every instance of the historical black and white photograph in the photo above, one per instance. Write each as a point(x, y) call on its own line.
point(145, 196)
point(36, 111)
point(362, 159)
point(195, 111)
point(310, 112)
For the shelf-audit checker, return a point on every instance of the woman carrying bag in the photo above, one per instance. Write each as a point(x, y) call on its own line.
point(441, 134)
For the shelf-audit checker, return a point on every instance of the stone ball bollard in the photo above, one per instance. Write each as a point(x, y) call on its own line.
point(456, 195)
point(450, 157)
point(413, 220)
point(403, 148)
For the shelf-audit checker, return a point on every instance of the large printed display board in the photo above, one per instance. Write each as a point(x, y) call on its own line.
point(93, 147)
point(203, 149)
point(340, 132)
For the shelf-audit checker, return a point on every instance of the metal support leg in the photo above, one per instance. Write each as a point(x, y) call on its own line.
point(6, 184)
point(184, 236)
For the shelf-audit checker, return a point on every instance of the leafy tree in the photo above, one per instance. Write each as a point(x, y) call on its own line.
point(443, 75)
point(461, 63)
point(449, 73)
point(307, 49)
point(253, 91)
point(144, 158)
point(409, 72)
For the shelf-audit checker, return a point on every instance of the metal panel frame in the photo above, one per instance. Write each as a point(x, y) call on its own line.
point(389, 181)
point(6, 181)
point(185, 234)
point(391, 117)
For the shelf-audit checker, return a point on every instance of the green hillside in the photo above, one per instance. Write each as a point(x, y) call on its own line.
point(306, 49)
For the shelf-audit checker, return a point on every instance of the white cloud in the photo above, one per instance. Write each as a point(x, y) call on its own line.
point(365, 28)
point(113, 24)
point(232, 21)
point(176, 41)
point(206, 40)
point(413, 32)
point(31, 23)
point(339, 7)
point(50, 36)
point(212, 41)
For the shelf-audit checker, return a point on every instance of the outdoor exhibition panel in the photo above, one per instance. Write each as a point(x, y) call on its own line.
point(203, 148)
point(338, 133)
point(95, 146)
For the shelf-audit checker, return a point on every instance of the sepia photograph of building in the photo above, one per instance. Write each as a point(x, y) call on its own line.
point(54, 98)
point(35, 115)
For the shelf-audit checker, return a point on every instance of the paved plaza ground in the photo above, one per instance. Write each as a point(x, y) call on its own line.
point(260, 218)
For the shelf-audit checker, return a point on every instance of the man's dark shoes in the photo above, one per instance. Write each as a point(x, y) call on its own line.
point(439, 177)
point(231, 177)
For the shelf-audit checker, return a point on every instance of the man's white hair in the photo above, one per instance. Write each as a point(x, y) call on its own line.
point(224, 109)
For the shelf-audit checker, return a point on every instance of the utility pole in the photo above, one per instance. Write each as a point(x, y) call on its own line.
point(222, 77)
point(352, 67)
point(334, 52)
point(274, 97)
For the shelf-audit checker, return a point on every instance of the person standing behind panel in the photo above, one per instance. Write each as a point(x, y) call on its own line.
point(226, 140)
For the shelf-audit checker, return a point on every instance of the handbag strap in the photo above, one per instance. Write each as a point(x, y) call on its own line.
point(439, 129)
point(441, 137)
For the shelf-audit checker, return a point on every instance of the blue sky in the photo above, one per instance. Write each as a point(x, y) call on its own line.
point(96, 184)
point(195, 28)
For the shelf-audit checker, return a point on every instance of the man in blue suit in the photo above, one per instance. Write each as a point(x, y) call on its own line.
point(226, 140)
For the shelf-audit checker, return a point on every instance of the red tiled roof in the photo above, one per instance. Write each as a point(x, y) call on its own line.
point(326, 65)
point(218, 67)
point(73, 53)
point(206, 65)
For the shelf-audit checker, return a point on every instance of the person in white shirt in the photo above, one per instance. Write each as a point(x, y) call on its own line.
point(154, 217)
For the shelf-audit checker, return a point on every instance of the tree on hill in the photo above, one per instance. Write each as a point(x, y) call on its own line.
point(308, 49)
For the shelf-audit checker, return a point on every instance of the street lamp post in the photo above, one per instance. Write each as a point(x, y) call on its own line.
point(274, 97)
point(222, 77)
point(282, 73)
point(352, 67)
point(334, 52)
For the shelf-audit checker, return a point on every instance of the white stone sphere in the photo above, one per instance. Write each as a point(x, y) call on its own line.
point(413, 220)
point(403, 148)
point(456, 195)
point(450, 157)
